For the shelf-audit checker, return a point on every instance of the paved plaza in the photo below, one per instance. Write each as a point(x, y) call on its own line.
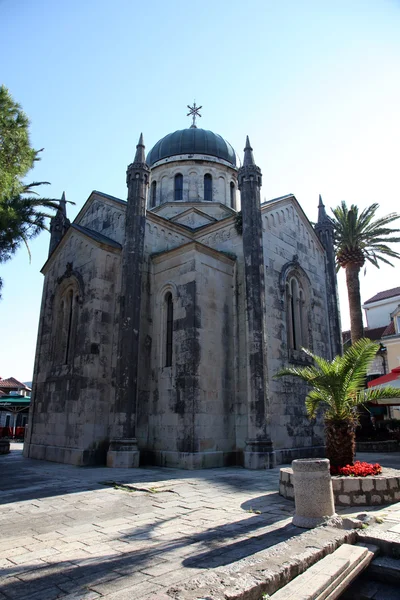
point(92, 532)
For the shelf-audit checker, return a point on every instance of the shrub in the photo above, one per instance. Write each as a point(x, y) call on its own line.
point(359, 469)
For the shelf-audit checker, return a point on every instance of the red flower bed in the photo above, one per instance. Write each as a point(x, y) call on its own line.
point(359, 469)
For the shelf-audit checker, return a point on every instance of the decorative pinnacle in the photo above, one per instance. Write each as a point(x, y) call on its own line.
point(140, 155)
point(62, 207)
point(248, 154)
point(194, 112)
point(322, 216)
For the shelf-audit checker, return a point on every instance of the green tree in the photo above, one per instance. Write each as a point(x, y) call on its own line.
point(23, 215)
point(360, 237)
point(16, 153)
point(337, 387)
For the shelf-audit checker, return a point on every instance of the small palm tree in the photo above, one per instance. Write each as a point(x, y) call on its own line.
point(338, 387)
point(360, 238)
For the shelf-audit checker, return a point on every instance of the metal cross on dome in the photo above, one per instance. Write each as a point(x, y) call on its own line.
point(194, 112)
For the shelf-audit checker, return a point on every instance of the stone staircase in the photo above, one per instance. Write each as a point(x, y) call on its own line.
point(381, 581)
point(331, 576)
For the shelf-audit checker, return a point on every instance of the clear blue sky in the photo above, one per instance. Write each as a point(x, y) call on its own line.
point(315, 84)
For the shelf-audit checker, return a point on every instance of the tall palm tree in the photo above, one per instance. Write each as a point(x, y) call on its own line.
point(360, 237)
point(337, 387)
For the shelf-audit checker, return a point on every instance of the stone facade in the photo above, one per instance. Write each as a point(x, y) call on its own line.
point(189, 381)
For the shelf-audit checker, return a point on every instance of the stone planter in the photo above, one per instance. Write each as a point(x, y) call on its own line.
point(313, 493)
point(353, 491)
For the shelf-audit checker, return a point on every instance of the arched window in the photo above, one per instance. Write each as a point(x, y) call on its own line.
point(169, 313)
point(233, 203)
point(66, 326)
point(297, 315)
point(207, 187)
point(179, 186)
point(153, 196)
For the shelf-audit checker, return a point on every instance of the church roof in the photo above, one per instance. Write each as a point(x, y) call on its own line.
point(192, 141)
point(95, 235)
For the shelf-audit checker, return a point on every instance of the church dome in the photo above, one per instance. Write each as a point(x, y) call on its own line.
point(192, 141)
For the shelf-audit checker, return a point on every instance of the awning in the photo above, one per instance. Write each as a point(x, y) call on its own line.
point(392, 379)
point(13, 403)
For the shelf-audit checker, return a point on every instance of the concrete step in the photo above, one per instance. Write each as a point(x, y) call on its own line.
point(385, 569)
point(385, 536)
point(367, 589)
point(328, 578)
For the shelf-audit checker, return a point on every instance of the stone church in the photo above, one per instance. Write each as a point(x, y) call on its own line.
point(165, 317)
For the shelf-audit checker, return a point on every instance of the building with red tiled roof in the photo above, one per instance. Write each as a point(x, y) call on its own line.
point(389, 330)
point(378, 309)
point(13, 385)
point(383, 318)
point(384, 295)
point(374, 334)
point(14, 404)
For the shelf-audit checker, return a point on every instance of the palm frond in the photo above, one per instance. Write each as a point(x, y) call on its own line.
point(27, 247)
point(313, 401)
point(381, 393)
point(337, 385)
point(355, 363)
point(307, 374)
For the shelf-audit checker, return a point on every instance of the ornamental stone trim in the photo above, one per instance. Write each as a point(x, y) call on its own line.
point(352, 491)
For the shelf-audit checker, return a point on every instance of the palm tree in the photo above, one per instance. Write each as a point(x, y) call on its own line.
point(23, 217)
point(338, 387)
point(358, 238)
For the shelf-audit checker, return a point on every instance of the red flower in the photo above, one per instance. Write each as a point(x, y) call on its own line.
point(359, 469)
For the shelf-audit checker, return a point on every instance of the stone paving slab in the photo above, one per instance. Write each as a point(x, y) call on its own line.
point(69, 532)
point(93, 532)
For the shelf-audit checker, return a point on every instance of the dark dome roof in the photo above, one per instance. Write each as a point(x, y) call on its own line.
point(192, 141)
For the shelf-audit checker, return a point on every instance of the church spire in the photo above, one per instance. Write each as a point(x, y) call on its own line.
point(259, 452)
point(322, 216)
point(123, 450)
point(140, 155)
point(63, 205)
point(58, 224)
point(248, 154)
point(325, 230)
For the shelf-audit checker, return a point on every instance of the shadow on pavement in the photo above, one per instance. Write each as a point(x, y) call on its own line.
point(242, 548)
point(25, 478)
point(80, 575)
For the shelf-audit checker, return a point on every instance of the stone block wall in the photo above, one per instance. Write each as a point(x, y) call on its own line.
point(72, 398)
point(104, 214)
point(193, 172)
point(287, 234)
point(191, 416)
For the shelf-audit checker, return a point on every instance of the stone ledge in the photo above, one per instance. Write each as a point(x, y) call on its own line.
point(353, 491)
point(378, 446)
point(266, 571)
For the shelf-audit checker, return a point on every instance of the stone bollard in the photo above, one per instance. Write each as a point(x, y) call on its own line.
point(313, 494)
